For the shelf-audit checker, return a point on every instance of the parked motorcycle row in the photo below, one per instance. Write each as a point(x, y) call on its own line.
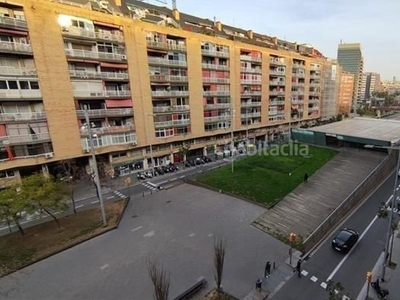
point(197, 162)
point(157, 171)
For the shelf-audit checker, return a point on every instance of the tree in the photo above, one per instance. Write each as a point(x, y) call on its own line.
point(383, 213)
point(45, 194)
point(219, 258)
point(335, 290)
point(339, 117)
point(160, 279)
point(184, 149)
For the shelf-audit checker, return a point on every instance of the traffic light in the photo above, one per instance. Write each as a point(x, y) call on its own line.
point(292, 237)
point(369, 277)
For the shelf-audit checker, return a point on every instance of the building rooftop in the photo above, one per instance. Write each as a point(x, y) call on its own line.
point(387, 130)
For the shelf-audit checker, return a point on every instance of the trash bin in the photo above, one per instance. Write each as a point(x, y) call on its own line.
point(258, 284)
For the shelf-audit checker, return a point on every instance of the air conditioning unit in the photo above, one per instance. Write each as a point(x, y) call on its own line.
point(134, 143)
point(124, 57)
point(48, 155)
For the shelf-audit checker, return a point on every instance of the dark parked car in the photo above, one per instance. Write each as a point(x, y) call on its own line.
point(344, 240)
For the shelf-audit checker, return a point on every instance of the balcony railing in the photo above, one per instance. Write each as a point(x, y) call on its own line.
point(315, 68)
point(298, 83)
point(297, 101)
point(251, 93)
point(16, 47)
point(112, 112)
point(315, 84)
point(273, 112)
point(109, 140)
point(277, 82)
point(250, 104)
point(13, 22)
point(180, 107)
point(98, 75)
point(298, 75)
point(116, 93)
point(313, 101)
point(17, 71)
point(216, 93)
point(315, 76)
point(251, 70)
point(95, 54)
point(215, 53)
point(214, 66)
point(89, 94)
point(108, 129)
point(276, 72)
point(314, 108)
point(276, 61)
point(297, 92)
point(16, 117)
point(24, 139)
point(277, 102)
point(161, 109)
point(250, 81)
point(178, 78)
point(20, 94)
point(76, 31)
point(215, 80)
point(250, 58)
point(217, 118)
point(167, 62)
point(169, 93)
point(169, 46)
point(182, 122)
point(217, 106)
point(163, 124)
point(277, 93)
point(314, 93)
point(251, 115)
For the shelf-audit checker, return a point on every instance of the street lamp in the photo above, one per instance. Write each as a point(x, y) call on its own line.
point(151, 148)
point(95, 176)
point(392, 204)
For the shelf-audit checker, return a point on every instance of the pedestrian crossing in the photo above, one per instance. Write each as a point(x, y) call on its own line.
point(149, 185)
point(118, 194)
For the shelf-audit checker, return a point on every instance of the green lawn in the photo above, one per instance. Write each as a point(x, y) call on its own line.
point(267, 178)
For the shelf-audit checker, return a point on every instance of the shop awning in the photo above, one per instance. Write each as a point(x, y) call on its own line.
point(119, 103)
point(115, 66)
point(157, 51)
point(82, 61)
point(105, 24)
point(24, 33)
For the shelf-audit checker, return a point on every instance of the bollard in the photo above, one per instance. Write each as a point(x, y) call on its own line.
point(143, 194)
point(273, 265)
point(151, 192)
point(258, 284)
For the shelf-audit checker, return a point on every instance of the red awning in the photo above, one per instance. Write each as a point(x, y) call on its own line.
point(105, 24)
point(119, 103)
point(2, 30)
point(115, 66)
point(157, 51)
point(82, 61)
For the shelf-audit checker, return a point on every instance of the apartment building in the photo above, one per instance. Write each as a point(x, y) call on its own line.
point(330, 89)
point(145, 77)
point(371, 82)
point(346, 91)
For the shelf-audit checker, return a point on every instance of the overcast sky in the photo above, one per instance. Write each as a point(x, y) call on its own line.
point(322, 23)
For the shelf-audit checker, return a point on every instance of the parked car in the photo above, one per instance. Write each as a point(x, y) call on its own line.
point(345, 240)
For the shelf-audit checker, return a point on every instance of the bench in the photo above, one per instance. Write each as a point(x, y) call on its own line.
point(200, 283)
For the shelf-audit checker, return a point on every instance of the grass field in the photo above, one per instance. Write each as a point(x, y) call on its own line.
point(268, 177)
point(42, 240)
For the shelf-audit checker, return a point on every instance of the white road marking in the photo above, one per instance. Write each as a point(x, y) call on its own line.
point(97, 201)
point(79, 206)
point(149, 234)
point(323, 285)
point(183, 176)
point(314, 279)
point(110, 197)
point(304, 273)
point(210, 235)
point(200, 171)
point(191, 235)
point(162, 182)
point(137, 228)
point(104, 266)
point(172, 179)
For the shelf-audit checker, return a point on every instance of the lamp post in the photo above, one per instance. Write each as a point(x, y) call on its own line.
point(151, 149)
point(392, 204)
point(96, 177)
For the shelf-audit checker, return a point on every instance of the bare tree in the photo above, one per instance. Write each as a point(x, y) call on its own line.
point(219, 258)
point(160, 279)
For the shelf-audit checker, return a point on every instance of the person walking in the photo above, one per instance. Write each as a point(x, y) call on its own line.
point(267, 270)
point(306, 178)
point(298, 268)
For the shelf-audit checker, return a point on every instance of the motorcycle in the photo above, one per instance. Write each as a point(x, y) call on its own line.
point(382, 293)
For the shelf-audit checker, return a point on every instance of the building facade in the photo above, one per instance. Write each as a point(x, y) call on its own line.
point(371, 83)
point(142, 84)
point(346, 91)
point(350, 58)
point(331, 76)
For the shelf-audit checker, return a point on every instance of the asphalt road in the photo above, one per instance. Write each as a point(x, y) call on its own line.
point(350, 270)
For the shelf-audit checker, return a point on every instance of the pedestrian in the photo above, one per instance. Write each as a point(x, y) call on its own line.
point(298, 268)
point(306, 178)
point(267, 270)
point(259, 284)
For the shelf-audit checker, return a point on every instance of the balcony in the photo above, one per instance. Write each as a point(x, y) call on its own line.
point(168, 46)
point(315, 76)
point(217, 118)
point(250, 104)
point(183, 122)
point(17, 71)
point(17, 117)
point(276, 102)
point(13, 22)
point(109, 140)
point(95, 55)
point(277, 72)
point(315, 68)
point(20, 94)
point(298, 83)
point(216, 53)
point(277, 93)
point(98, 75)
point(109, 36)
point(215, 80)
point(163, 124)
point(314, 93)
point(251, 115)
point(297, 92)
point(108, 130)
point(176, 108)
point(16, 47)
point(251, 70)
point(250, 58)
point(216, 93)
point(298, 75)
point(296, 101)
point(217, 106)
point(161, 109)
point(313, 101)
point(314, 108)
point(169, 93)
point(277, 82)
point(273, 112)
point(250, 81)
point(178, 78)
point(276, 61)
point(214, 66)
point(166, 62)
point(25, 139)
point(114, 112)
point(315, 84)
point(88, 94)
point(251, 93)
point(117, 93)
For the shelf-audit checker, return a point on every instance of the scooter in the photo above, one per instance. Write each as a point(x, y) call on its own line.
point(382, 293)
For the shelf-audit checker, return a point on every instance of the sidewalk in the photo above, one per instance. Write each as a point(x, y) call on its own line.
point(392, 275)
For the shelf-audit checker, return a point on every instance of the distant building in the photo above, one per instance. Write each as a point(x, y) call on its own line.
point(351, 60)
point(371, 82)
point(330, 89)
point(346, 90)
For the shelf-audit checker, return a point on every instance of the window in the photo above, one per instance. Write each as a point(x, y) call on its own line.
point(24, 85)
point(34, 85)
point(12, 85)
point(3, 85)
point(7, 174)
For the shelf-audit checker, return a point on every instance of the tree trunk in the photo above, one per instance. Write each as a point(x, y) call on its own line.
point(15, 219)
point(53, 216)
point(71, 190)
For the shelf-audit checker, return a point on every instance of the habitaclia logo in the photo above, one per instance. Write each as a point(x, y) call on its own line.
point(291, 149)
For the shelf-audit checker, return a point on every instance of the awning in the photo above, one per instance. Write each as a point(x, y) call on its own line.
point(24, 33)
point(106, 24)
point(115, 66)
point(157, 51)
point(119, 103)
point(82, 61)
point(246, 50)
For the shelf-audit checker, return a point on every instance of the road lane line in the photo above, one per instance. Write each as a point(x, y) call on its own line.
point(172, 179)
point(210, 235)
point(149, 234)
point(183, 176)
point(191, 235)
point(110, 197)
point(162, 182)
point(104, 266)
point(97, 201)
point(79, 206)
point(137, 228)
